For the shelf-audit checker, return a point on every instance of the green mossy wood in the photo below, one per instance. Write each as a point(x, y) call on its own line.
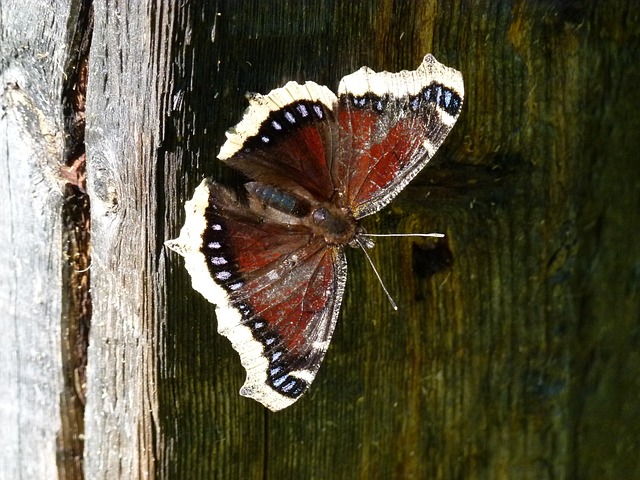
point(516, 349)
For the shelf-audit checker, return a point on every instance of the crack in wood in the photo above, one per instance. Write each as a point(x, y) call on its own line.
point(77, 305)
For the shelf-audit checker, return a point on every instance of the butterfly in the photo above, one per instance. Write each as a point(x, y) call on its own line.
point(271, 255)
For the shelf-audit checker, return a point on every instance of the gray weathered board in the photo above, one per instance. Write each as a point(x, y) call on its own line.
point(516, 351)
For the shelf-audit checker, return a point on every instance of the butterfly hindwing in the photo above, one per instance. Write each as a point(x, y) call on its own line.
point(260, 273)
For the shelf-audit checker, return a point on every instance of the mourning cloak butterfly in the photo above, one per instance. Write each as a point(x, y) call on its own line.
point(271, 257)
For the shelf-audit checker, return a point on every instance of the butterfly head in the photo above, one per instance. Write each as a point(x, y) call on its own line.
point(336, 225)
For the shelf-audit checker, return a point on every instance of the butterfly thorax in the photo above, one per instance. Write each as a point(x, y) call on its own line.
point(336, 224)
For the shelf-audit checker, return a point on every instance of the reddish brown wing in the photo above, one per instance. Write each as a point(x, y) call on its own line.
point(277, 289)
point(287, 138)
point(391, 124)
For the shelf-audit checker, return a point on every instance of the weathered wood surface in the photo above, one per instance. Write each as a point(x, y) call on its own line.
point(515, 352)
point(40, 428)
point(127, 103)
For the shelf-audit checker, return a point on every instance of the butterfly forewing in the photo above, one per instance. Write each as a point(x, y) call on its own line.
point(391, 124)
point(287, 138)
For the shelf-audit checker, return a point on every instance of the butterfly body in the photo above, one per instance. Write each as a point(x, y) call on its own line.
point(336, 224)
point(272, 257)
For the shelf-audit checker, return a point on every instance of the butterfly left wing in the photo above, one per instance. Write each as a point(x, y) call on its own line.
point(287, 138)
point(277, 288)
point(391, 124)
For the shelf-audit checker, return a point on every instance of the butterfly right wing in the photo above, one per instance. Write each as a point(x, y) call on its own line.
point(277, 288)
point(391, 125)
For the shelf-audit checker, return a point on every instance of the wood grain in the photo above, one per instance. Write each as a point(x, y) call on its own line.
point(36, 401)
point(515, 350)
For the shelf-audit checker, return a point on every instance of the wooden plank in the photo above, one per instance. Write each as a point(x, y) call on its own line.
point(122, 139)
point(33, 57)
point(482, 373)
point(516, 352)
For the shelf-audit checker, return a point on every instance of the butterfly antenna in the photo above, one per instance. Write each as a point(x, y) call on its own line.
point(437, 235)
point(393, 304)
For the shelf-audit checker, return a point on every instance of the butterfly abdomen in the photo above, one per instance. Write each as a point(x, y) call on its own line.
point(279, 199)
point(336, 225)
